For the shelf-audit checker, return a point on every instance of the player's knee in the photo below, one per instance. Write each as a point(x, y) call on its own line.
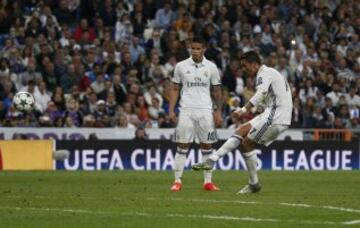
point(184, 146)
point(247, 145)
point(243, 130)
point(205, 146)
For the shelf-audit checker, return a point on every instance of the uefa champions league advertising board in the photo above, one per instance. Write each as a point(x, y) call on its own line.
point(159, 155)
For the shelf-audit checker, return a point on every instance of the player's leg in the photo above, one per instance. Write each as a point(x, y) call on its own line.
point(206, 150)
point(250, 157)
point(231, 144)
point(179, 163)
point(180, 159)
point(205, 133)
point(183, 136)
point(262, 132)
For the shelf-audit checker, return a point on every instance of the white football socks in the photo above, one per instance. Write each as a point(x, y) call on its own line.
point(180, 159)
point(231, 144)
point(207, 173)
point(251, 162)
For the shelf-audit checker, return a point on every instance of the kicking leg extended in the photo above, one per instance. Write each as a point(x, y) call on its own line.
point(250, 157)
point(231, 144)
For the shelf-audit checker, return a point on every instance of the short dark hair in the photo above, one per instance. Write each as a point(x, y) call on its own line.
point(251, 57)
point(198, 39)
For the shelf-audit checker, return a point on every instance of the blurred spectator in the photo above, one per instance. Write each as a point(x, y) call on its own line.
point(42, 97)
point(119, 90)
point(29, 74)
point(152, 93)
point(130, 114)
point(72, 116)
point(98, 86)
point(163, 16)
point(123, 28)
point(140, 133)
point(135, 49)
point(89, 121)
point(93, 136)
point(83, 32)
point(155, 108)
point(335, 94)
point(297, 116)
point(122, 122)
point(52, 112)
point(19, 136)
point(352, 98)
point(155, 42)
point(142, 108)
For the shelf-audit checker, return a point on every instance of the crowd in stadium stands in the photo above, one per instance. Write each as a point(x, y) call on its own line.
point(109, 63)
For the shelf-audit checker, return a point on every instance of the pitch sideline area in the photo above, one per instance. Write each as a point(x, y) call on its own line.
point(143, 199)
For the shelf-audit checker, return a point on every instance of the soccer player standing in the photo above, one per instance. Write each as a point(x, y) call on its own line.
point(196, 80)
point(273, 90)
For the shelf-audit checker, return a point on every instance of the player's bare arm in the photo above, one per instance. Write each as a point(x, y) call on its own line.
point(218, 103)
point(254, 101)
point(175, 90)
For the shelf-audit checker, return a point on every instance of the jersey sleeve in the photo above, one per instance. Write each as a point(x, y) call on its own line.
point(215, 76)
point(262, 86)
point(177, 75)
point(263, 82)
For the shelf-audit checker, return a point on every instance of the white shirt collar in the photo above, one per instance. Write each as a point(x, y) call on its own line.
point(193, 63)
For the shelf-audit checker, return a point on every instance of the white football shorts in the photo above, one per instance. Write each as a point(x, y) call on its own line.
point(263, 131)
point(196, 125)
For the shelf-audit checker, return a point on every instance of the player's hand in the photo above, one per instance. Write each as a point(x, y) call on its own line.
point(218, 119)
point(172, 116)
point(239, 112)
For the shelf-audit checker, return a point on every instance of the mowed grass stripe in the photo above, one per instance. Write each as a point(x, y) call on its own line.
point(286, 196)
point(177, 215)
point(210, 201)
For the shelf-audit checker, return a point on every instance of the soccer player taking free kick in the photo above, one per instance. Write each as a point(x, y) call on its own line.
point(274, 92)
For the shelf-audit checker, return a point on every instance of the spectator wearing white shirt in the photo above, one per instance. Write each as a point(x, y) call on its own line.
point(170, 65)
point(308, 91)
point(155, 42)
point(42, 97)
point(122, 122)
point(99, 85)
point(157, 71)
point(123, 28)
point(335, 94)
point(239, 89)
point(284, 70)
point(296, 60)
point(342, 46)
point(46, 15)
point(352, 98)
point(155, 108)
point(151, 93)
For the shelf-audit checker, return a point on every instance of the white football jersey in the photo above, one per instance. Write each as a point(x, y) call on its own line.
point(196, 79)
point(277, 99)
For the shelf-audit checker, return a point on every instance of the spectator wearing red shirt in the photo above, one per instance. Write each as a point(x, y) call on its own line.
point(82, 29)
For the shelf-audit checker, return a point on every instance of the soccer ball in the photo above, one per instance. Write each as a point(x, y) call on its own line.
point(23, 101)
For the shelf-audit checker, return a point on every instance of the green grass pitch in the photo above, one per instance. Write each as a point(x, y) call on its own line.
point(143, 199)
